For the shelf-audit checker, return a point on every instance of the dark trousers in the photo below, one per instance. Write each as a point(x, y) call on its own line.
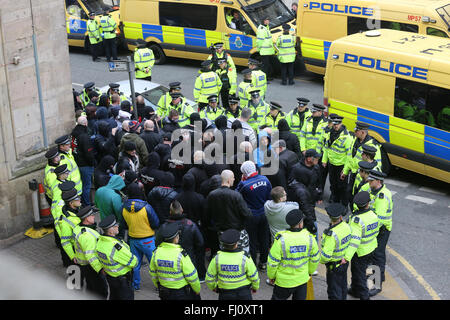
point(379, 254)
point(287, 72)
point(95, 50)
point(95, 282)
point(185, 293)
point(199, 263)
point(149, 78)
point(224, 94)
point(298, 293)
point(338, 186)
point(359, 279)
point(268, 63)
point(351, 182)
point(110, 48)
point(120, 288)
point(259, 235)
point(242, 293)
point(337, 282)
point(323, 175)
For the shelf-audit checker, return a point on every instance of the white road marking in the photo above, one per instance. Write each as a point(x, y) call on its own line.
point(396, 183)
point(421, 199)
point(393, 192)
point(425, 189)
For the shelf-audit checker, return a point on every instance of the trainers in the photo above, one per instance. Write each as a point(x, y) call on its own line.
point(269, 283)
point(315, 273)
point(262, 267)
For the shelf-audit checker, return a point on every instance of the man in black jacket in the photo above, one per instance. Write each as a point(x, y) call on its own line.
point(161, 197)
point(83, 152)
point(290, 138)
point(104, 142)
point(150, 136)
point(286, 160)
point(151, 175)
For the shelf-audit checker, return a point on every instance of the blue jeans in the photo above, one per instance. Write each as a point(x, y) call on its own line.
point(86, 179)
point(141, 247)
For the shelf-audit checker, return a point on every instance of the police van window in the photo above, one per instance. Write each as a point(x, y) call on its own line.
point(236, 21)
point(73, 8)
point(355, 25)
point(188, 15)
point(436, 32)
point(422, 103)
point(154, 94)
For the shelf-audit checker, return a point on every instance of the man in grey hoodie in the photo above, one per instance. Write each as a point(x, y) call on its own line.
point(277, 209)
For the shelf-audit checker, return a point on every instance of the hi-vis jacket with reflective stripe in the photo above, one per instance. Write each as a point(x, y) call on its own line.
point(264, 42)
point(172, 268)
point(286, 48)
point(108, 25)
point(381, 203)
point(259, 82)
point(365, 226)
point(74, 172)
point(296, 120)
point(294, 256)
point(352, 161)
point(85, 244)
point(232, 270)
point(258, 113)
point(94, 32)
point(206, 84)
point(115, 256)
point(50, 180)
point(65, 224)
point(335, 241)
point(143, 58)
point(309, 138)
point(336, 152)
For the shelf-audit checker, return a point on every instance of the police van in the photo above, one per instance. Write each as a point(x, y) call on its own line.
point(77, 12)
point(319, 22)
point(399, 83)
point(188, 28)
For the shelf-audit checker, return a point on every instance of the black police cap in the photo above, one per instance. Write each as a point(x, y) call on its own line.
point(70, 195)
point(114, 85)
point(365, 165)
point(220, 61)
point(63, 140)
point(275, 105)
point(175, 95)
point(294, 217)
point(369, 149)
point(170, 231)
point(213, 98)
point(230, 236)
point(255, 92)
point(317, 107)
point(218, 45)
point(361, 199)
point(206, 63)
point(361, 125)
point(331, 116)
point(53, 152)
point(66, 186)
point(376, 175)
point(175, 85)
point(233, 98)
point(337, 119)
point(89, 85)
point(85, 212)
point(253, 61)
point(303, 101)
point(61, 169)
point(108, 222)
point(335, 210)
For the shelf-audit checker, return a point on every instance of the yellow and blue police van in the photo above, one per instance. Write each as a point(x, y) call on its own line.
point(77, 16)
point(320, 22)
point(399, 83)
point(188, 28)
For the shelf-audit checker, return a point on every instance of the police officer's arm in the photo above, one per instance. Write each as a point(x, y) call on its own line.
point(314, 255)
point(211, 275)
point(197, 88)
point(231, 62)
point(233, 81)
point(325, 151)
point(88, 245)
point(274, 258)
point(302, 136)
point(190, 273)
point(153, 270)
point(260, 36)
point(355, 240)
point(348, 161)
point(66, 234)
point(328, 246)
point(124, 256)
point(152, 59)
point(219, 83)
point(383, 206)
point(252, 273)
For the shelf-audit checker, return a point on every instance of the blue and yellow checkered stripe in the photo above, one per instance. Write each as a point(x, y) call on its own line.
point(315, 48)
point(397, 131)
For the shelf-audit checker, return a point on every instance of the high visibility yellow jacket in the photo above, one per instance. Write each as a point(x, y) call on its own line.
point(85, 243)
point(229, 79)
point(293, 257)
point(259, 82)
point(365, 227)
point(206, 84)
point(74, 173)
point(381, 203)
point(94, 32)
point(355, 156)
point(212, 114)
point(272, 122)
point(243, 90)
point(336, 152)
point(115, 256)
point(231, 270)
point(50, 180)
point(64, 225)
point(264, 42)
point(258, 113)
point(109, 26)
point(172, 268)
point(310, 135)
point(296, 120)
point(286, 48)
point(143, 58)
point(335, 241)
point(214, 57)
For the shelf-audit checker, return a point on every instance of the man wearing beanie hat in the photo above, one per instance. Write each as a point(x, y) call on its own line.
point(365, 227)
point(232, 263)
point(255, 189)
point(116, 259)
point(294, 256)
point(133, 135)
point(85, 243)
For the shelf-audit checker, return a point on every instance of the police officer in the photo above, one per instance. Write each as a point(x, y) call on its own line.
point(313, 128)
point(381, 203)
point(234, 110)
point(335, 241)
point(368, 154)
point(179, 103)
point(65, 153)
point(116, 259)
point(245, 87)
point(364, 226)
point(213, 110)
point(87, 88)
point(95, 36)
point(337, 146)
point(144, 59)
point(294, 256)
point(298, 115)
point(166, 99)
point(114, 88)
point(320, 147)
point(53, 161)
point(206, 84)
point(65, 224)
point(361, 182)
point(232, 273)
point(265, 47)
point(286, 55)
point(85, 241)
point(259, 78)
point(259, 109)
point(109, 26)
point(229, 81)
point(62, 173)
point(274, 116)
point(218, 53)
point(171, 268)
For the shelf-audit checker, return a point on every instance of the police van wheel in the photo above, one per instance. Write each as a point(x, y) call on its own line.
point(160, 56)
point(385, 163)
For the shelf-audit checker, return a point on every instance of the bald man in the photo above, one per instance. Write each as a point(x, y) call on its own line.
point(150, 137)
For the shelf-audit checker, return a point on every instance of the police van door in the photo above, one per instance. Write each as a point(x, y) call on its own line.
point(238, 33)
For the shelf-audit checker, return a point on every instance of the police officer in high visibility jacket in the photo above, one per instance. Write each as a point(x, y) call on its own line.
point(212, 110)
point(234, 110)
point(171, 268)
point(286, 55)
point(65, 224)
point(294, 256)
point(87, 88)
point(206, 84)
point(165, 100)
point(265, 47)
point(361, 180)
point(313, 128)
point(274, 116)
point(259, 108)
point(65, 153)
point(232, 273)
point(245, 87)
point(297, 116)
point(218, 53)
point(95, 36)
point(109, 26)
point(85, 241)
point(62, 173)
point(259, 78)
point(114, 88)
point(335, 241)
point(337, 145)
point(179, 103)
point(381, 203)
point(229, 81)
point(50, 179)
point(116, 259)
point(364, 225)
point(144, 60)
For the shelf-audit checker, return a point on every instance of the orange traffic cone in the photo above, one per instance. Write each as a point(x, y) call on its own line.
point(44, 208)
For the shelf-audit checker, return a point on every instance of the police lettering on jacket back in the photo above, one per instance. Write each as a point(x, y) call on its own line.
point(229, 267)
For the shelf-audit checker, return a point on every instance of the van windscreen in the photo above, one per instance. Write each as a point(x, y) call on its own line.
point(444, 13)
point(275, 10)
